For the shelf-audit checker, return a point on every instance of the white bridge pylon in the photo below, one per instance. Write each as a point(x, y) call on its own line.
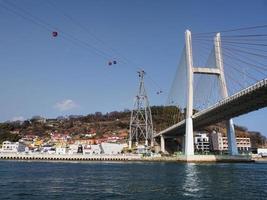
point(219, 72)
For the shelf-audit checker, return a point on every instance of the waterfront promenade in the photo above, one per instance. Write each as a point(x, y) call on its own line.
point(132, 157)
point(66, 157)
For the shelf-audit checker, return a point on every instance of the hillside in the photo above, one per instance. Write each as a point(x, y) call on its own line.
point(100, 125)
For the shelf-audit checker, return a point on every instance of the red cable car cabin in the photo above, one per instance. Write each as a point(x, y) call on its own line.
point(54, 34)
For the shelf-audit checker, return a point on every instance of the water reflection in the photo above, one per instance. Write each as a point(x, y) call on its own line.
point(191, 185)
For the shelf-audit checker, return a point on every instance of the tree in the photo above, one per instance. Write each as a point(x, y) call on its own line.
point(6, 135)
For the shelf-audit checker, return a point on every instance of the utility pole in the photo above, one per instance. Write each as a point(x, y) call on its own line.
point(141, 125)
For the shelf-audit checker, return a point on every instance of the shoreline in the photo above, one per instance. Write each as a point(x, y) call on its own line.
point(75, 157)
point(130, 158)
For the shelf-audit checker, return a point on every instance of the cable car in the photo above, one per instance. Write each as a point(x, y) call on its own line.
point(159, 92)
point(112, 62)
point(54, 34)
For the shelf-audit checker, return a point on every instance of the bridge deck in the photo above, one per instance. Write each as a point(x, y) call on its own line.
point(247, 100)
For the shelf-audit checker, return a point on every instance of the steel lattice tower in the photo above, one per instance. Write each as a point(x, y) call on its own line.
point(141, 125)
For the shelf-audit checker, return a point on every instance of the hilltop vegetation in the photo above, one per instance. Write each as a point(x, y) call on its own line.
point(109, 124)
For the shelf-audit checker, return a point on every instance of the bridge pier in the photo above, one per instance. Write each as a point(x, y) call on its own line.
point(162, 144)
point(130, 144)
point(152, 141)
point(189, 137)
point(146, 143)
point(232, 148)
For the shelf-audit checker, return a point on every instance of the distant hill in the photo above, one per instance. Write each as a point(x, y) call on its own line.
point(112, 123)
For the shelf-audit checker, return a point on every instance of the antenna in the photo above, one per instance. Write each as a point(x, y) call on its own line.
point(141, 125)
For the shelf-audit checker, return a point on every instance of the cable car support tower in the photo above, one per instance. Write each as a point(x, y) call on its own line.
point(141, 125)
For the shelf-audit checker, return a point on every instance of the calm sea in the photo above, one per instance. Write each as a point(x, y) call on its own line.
point(103, 180)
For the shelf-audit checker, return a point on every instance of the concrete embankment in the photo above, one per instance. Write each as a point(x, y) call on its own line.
point(77, 157)
point(260, 160)
point(203, 158)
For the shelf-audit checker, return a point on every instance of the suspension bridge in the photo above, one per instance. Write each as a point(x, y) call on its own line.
point(203, 91)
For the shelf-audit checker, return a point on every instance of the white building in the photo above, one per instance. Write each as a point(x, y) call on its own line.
point(61, 150)
point(51, 151)
point(220, 143)
point(86, 149)
point(73, 148)
point(141, 149)
point(262, 151)
point(46, 148)
point(91, 149)
point(202, 143)
point(12, 147)
point(111, 148)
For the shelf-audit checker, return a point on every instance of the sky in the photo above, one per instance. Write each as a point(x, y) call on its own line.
point(69, 74)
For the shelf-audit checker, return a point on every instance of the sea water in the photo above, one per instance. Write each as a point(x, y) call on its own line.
point(131, 180)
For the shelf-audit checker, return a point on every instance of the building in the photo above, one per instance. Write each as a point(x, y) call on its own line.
point(13, 147)
point(112, 148)
point(262, 152)
point(92, 149)
point(141, 149)
point(58, 137)
point(85, 141)
point(220, 143)
point(61, 150)
point(201, 142)
point(73, 148)
point(46, 148)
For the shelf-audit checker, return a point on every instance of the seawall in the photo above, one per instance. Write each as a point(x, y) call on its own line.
point(75, 157)
point(78, 157)
point(203, 158)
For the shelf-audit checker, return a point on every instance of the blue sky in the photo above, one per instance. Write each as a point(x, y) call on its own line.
point(42, 75)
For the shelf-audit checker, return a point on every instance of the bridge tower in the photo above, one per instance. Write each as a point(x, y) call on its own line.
point(141, 125)
point(232, 148)
point(219, 72)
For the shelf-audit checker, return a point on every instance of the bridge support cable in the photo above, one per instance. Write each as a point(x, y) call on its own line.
point(175, 106)
point(239, 49)
point(242, 71)
point(206, 85)
point(231, 30)
point(178, 84)
point(257, 68)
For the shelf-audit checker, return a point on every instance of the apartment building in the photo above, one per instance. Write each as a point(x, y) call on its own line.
point(220, 143)
point(201, 142)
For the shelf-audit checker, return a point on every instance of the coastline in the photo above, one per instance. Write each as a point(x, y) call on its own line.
point(131, 158)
